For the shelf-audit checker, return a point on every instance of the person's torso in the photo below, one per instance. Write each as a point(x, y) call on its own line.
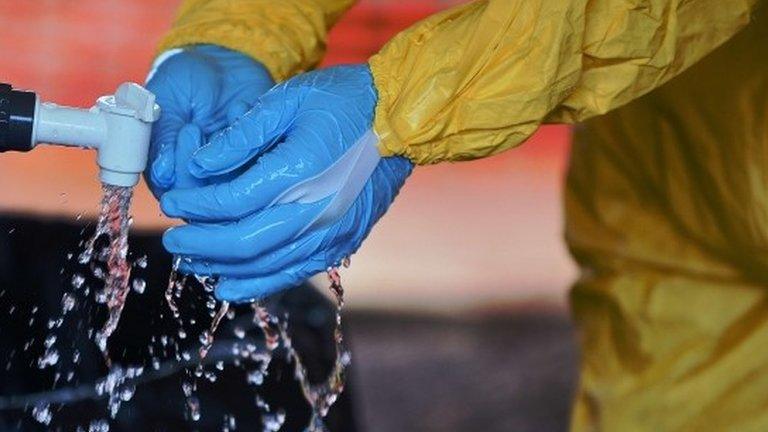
point(678, 180)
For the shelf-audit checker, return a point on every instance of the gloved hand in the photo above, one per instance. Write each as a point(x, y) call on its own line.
point(312, 196)
point(205, 85)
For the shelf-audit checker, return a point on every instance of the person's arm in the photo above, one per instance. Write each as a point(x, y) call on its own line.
point(287, 36)
point(463, 84)
point(480, 78)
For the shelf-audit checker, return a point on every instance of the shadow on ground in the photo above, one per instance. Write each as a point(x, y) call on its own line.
point(514, 372)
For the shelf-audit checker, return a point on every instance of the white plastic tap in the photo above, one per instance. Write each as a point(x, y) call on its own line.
point(118, 127)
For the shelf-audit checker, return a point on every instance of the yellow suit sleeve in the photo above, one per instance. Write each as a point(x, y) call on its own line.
point(287, 36)
point(480, 78)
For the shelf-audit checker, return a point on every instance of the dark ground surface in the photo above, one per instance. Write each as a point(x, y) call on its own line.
point(511, 371)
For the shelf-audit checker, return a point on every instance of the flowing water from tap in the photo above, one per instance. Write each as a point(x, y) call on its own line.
point(113, 224)
point(106, 255)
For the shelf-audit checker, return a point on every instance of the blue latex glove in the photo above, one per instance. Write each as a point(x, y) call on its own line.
point(315, 191)
point(204, 85)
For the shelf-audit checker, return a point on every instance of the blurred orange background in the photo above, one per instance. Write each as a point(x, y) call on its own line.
point(479, 234)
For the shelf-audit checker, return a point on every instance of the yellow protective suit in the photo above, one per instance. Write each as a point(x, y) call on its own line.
point(667, 195)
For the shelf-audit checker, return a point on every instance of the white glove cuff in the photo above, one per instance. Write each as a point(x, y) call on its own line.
point(344, 180)
point(160, 59)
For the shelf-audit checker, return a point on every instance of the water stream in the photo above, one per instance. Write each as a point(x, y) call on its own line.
point(113, 224)
point(105, 254)
point(276, 333)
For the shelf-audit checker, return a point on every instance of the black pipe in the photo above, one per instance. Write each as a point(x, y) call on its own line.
point(17, 118)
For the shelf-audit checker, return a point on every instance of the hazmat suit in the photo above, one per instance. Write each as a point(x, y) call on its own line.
point(667, 193)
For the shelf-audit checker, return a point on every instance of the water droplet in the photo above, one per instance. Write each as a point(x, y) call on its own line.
point(49, 341)
point(67, 302)
point(141, 262)
point(50, 358)
point(210, 376)
point(55, 323)
point(261, 403)
point(42, 413)
point(85, 256)
point(230, 424)
point(139, 285)
point(204, 336)
point(239, 332)
point(98, 273)
point(101, 297)
point(272, 422)
point(98, 426)
point(256, 378)
point(77, 280)
point(127, 392)
point(194, 408)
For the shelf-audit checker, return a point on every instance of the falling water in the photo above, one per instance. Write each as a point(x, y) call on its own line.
point(206, 338)
point(106, 253)
point(113, 224)
point(175, 287)
point(275, 331)
point(322, 396)
point(319, 396)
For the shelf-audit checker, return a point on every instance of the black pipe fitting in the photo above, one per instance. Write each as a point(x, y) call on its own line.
point(17, 119)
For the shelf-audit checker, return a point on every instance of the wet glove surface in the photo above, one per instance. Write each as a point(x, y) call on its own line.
point(206, 86)
point(314, 188)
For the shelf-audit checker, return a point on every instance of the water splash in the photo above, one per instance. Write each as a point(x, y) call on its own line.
point(175, 287)
point(206, 338)
point(42, 413)
point(322, 396)
point(270, 421)
point(114, 385)
point(275, 331)
point(113, 224)
point(106, 255)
